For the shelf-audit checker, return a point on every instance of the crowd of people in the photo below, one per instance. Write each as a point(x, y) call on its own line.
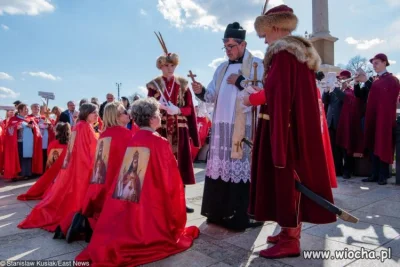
point(265, 137)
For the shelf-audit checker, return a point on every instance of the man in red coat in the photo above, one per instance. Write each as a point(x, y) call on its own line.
point(380, 118)
point(289, 143)
point(349, 137)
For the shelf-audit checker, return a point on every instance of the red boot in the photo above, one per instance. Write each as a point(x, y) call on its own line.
point(287, 246)
point(274, 238)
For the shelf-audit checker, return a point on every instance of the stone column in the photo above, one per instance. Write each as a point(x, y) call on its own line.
point(321, 38)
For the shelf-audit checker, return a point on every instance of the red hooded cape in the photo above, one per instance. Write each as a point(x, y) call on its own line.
point(50, 129)
point(69, 189)
point(349, 133)
point(150, 227)
point(117, 139)
point(1, 149)
point(380, 117)
point(135, 128)
point(11, 159)
point(44, 183)
point(203, 126)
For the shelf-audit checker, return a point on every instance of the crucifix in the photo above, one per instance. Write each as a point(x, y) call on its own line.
point(238, 145)
point(253, 82)
point(191, 75)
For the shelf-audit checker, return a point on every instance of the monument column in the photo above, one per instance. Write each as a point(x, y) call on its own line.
point(321, 38)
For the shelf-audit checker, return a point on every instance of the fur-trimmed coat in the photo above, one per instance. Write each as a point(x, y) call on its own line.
point(289, 142)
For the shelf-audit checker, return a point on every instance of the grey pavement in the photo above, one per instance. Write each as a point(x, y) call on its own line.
point(378, 232)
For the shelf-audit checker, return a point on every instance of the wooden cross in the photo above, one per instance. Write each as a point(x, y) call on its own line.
point(191, 75)
point(237, 145)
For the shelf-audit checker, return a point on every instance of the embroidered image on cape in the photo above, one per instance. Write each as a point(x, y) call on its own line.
point(53, 156)
point(133, 170)
point(69, 151)
point(101, 161)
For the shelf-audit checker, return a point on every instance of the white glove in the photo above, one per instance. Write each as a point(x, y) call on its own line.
point(163, 107)
point(249, 89)
point(172, 109)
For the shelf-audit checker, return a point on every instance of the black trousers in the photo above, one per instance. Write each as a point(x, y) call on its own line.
point(380, 169)
point(337, 152)
point(349, 161)
point(44, 159)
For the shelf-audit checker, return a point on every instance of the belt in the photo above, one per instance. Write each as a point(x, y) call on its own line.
point(263, 116)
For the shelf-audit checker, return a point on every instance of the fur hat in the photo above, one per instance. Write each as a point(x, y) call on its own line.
point(280, 16)
point(167, 58)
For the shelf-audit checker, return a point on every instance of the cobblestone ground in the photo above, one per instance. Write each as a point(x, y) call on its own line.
point(377, 207)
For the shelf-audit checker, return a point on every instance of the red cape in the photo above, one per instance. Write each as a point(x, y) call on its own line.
point(50, 129)
point(148, 224)
point(349, 133)
point(69, 189)
point(46, 180)
point(327, 143)
point(135, 128)
point(203, 126)
point(1, 150)
point(380, 117)
point(11, 159)
point(116, 140)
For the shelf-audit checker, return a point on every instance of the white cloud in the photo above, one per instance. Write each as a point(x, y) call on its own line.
point(143, 12)
point(257, 53)
point(392, 62)
point(248, 25)
point(216, 62)
point(364, 44)
point(5, 27)
point(142, 89)
point(5, 76)
point(44, 75)
point(398, 75)
point(188, 13)
point(7, 93)
point(393, 3)
point(25, 7)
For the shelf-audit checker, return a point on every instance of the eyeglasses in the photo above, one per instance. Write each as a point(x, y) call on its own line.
point(228, 48)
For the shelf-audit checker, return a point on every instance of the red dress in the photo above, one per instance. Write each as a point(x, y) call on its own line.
point(288, 144)
point(149, 226)
point(116, 139)
point(11, 157)
point(55, 157)
point(69, 189)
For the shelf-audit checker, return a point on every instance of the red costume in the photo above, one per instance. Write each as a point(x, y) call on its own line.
point(69, 189)
point(135, 128)
point(135, 232)
point(349, 133)
point(117, 138)
point(203, 126)
point(289, 145)
point(178, 129)
point(380, 117)
point(53, 167)
point(11, 156)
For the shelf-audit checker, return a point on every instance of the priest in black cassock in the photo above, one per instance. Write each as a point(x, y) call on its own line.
point(227, 182)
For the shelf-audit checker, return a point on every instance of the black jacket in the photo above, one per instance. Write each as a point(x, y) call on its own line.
point(334, 102)
point(64, 117)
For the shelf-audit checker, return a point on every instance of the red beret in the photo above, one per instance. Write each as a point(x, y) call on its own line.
point(345, 73)
point(382, 57)
point(280, 9)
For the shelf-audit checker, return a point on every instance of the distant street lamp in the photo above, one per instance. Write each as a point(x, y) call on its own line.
point(119, 85)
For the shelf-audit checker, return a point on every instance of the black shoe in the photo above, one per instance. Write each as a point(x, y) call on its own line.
point(382, 181)
point(346, 176)
point(254, 223)
point(370, 180)
point(75, 228)
point(189, 209)
point(58, 234)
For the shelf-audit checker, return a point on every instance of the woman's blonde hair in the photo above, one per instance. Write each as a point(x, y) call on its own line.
point(111, 113)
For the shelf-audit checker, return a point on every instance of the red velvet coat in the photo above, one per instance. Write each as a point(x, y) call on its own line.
point(135, 232)
point(178, 129)
point(289, 145)
point(380, 117)
point(118, 138)
point(349, 134)
point(70, 186)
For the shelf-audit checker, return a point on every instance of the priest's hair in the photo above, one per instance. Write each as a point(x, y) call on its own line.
point(171, 58)
point(143, 110)
point(112, 111)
